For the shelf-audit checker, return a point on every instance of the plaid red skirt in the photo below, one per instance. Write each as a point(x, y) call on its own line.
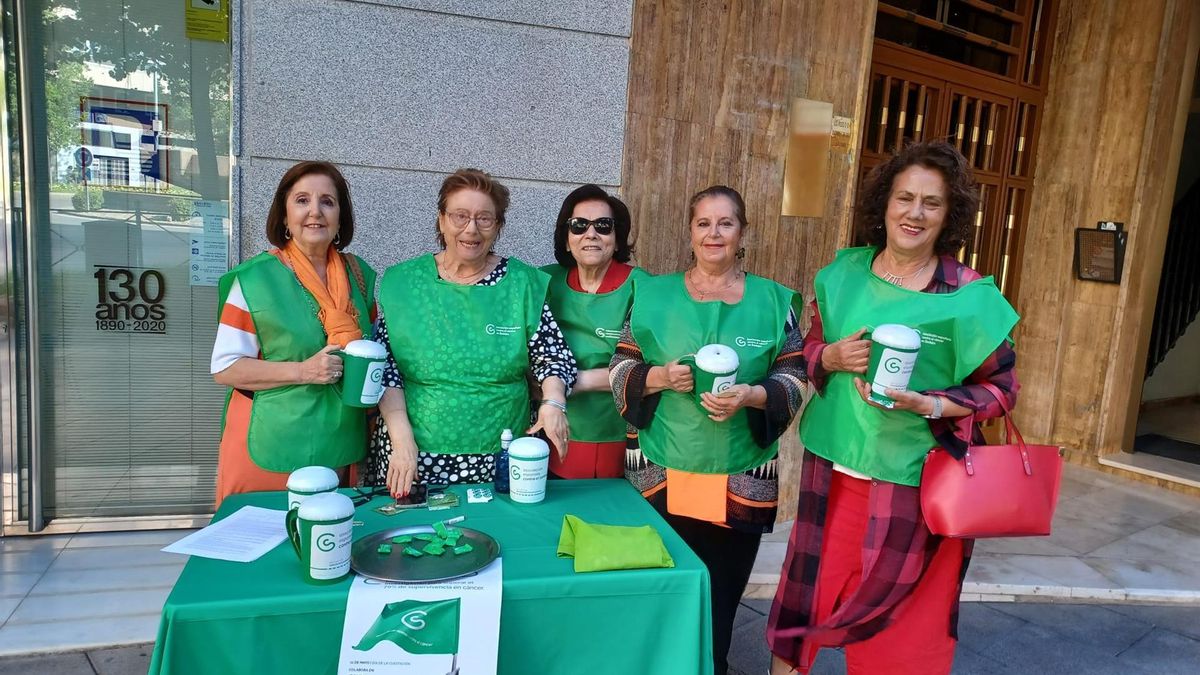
point(898, 565)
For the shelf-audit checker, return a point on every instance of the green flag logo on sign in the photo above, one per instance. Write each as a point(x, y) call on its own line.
point(416, 627)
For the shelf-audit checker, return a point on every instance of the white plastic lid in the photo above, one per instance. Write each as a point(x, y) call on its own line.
point(327, 506)
point(896, 335)
point(367, 349)
point(717, 358)
point(312, 479)
point(529, 447)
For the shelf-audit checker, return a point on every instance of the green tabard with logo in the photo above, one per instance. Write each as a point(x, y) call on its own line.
point(463, 351)
point(299, 424)
point(959, 330)
point(667, 324)
point(591, 324)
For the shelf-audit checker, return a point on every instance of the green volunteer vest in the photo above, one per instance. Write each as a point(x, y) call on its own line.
point(667, 324)
point(591, 324)
point(300, 424)
point(959, 330)
point(463, 351)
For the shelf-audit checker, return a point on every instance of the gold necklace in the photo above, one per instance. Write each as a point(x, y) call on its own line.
point(704, 294)
point(896, 279)
point(465, 281)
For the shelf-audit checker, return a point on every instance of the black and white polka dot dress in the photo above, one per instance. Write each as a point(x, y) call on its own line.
point(549, 355)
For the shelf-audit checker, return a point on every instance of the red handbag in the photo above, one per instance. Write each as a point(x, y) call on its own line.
point(995, 490)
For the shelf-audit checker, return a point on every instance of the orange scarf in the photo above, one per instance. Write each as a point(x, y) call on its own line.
point(337, 313)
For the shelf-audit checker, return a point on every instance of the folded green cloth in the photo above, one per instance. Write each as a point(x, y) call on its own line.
point(611, 547)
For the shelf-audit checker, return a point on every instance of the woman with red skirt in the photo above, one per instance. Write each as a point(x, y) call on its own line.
point(862, 570)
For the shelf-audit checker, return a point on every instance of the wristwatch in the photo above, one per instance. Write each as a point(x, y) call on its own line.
point(937, 409)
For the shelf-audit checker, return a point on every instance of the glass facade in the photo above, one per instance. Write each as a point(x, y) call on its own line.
point(121, 129)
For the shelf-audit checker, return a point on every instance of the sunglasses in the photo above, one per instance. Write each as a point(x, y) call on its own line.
point(579, 225)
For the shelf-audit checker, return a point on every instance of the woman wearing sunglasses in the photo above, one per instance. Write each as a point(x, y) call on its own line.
point(709, 465)
point(465, 328)
point(591, 288)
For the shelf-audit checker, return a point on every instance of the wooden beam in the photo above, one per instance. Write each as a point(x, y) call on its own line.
point(710, 89)
point(1080, 344)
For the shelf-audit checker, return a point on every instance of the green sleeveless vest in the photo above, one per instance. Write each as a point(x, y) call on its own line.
point(463, 351)
point(667, 324)
point(959, 330)
point(301, 424)
point(591, 324)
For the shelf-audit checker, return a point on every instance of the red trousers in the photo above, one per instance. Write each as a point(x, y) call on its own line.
point(590, 460)
point(918, 641)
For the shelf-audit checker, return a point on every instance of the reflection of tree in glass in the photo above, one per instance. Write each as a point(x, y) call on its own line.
point(194, 72)
point(65, 85)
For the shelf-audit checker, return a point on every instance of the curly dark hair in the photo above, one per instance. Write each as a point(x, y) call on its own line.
point(591, 193)
point(962, 194)
point(277, 232)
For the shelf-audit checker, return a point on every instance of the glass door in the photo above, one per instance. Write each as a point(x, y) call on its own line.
point(122, 118)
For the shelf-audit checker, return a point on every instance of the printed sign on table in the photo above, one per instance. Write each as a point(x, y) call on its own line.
point(450, 627)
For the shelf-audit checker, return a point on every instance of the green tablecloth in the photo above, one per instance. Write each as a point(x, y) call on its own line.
point(260, 617)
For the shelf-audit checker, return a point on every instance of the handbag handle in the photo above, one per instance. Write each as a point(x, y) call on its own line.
point(1010, 432)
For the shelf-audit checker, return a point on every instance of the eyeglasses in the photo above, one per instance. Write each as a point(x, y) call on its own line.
point(484, 221)
point(579, 225)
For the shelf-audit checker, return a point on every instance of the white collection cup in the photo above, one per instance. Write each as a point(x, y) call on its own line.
point(894, 350)
point(528, 465)
point(308, 481)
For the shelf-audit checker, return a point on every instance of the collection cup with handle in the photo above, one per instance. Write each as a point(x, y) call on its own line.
point(714, 369)
point(363, 362)
point(894, 350)
point(321, 530)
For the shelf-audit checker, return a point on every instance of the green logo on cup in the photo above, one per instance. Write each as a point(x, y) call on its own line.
point(514, 473)
point(892, 365)
point(326, 542)
point(376, 375)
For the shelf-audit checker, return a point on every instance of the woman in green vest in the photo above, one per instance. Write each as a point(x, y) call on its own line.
point(282, 312)
point(709, 464)
point(465, 328)
point(862, 569)
point(591, 289)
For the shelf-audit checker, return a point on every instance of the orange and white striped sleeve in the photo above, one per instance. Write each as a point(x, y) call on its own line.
point(236, 337)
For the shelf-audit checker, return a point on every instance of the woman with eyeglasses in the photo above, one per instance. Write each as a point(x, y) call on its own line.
point(464, 328)
point(709, 465)
point(591, 288)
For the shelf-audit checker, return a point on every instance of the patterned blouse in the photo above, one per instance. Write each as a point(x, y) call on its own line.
point(549, 356)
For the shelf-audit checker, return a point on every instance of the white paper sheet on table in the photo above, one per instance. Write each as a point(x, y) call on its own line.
point(243, 536)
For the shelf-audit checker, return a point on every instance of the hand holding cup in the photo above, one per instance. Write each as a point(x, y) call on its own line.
point(322, 367)
point(679, 377)
point(851, 354)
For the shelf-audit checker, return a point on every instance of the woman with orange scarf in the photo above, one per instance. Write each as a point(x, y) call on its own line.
point(282, 313)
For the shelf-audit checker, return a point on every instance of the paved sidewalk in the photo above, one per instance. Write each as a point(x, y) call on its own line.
point(1027, 639)
point(1114, 540)
point(997, 639)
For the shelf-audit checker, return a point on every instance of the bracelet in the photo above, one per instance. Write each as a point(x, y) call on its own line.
point(937, 409)
point(557, 404)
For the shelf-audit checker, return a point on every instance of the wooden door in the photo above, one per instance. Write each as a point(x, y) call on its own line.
point(933, 78)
